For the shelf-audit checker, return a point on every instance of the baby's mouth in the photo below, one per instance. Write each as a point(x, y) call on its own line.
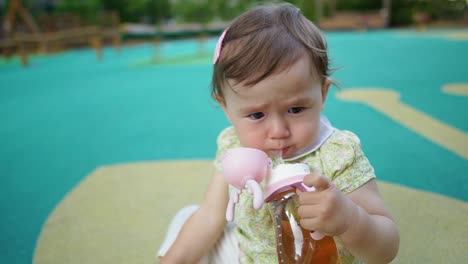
point(279, 153)
point(284, 151)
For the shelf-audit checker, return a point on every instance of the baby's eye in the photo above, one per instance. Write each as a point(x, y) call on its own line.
point(295, 110)
point(256, 116)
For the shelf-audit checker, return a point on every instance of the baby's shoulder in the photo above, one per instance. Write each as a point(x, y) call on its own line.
point(344, 162)
point(227, 138)
point(340, 139)
point(227, 132)
point(341, 146)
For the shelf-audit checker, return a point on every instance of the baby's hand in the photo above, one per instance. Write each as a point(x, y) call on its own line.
point(326, 210)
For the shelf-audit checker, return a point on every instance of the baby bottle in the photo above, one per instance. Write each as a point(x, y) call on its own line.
point(294, 243)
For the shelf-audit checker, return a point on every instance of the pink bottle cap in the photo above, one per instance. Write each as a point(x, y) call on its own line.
point(285, 176)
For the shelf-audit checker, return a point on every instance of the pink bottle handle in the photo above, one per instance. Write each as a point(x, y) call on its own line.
point(230, 210)
point(255, 189)
point(316, 235)
point(233, 199)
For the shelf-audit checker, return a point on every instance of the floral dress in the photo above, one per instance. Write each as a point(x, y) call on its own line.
point(339, 157)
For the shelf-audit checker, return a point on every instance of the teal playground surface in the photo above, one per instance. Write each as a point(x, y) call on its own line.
point(68, 114)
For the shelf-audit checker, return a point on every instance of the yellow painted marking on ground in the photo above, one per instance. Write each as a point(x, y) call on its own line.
point(388, 102)
point(457, 36)
point(107, 214)
point(456, 89)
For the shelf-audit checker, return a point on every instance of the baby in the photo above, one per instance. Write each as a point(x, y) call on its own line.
point(271, 77)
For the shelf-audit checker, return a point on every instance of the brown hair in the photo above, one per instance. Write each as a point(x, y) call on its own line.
point(265, 40)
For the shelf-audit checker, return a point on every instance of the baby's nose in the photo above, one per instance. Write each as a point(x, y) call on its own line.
point(279, 129)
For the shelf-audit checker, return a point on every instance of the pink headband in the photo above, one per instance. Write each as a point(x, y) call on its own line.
point(219, 46)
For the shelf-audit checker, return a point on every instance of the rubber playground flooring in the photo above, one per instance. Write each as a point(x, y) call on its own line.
point(68, 117)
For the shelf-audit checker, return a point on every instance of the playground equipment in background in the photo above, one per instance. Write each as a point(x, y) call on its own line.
point(173, 31)
point(339, 20)
point(420, 19)
point(58, 32)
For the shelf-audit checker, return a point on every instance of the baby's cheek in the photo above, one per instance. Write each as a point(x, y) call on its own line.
point(252, 143)
point(252, 140)
point(307, 133)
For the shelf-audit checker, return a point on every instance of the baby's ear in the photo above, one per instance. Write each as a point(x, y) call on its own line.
point(325, 88)
point(222, 103)
point(219, 99)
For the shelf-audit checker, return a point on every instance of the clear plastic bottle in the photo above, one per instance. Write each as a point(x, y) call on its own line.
point(294, 243)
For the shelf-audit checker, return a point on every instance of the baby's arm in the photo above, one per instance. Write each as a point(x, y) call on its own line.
point(373, 235)
point(203, 228)
point(359, 219)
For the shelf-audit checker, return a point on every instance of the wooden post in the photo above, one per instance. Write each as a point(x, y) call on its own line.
point(96, 43)
point(23, 54)
point(158, 38)
point(43, 46)
point(16, 7)
point(332, 7)
point(202, 37)
point(387, 7)
point(318, 12)
point(116, 40)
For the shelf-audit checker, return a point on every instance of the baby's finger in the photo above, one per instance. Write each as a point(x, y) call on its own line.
point(308, 211)
point(308, 198)
point(308, 223)
point(317, 181)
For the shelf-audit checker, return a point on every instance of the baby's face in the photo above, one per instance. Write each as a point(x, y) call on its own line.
point(279, 114)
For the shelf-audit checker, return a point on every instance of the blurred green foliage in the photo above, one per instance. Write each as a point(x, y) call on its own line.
point(204, 11)
point(403, 10)
point(358, 4)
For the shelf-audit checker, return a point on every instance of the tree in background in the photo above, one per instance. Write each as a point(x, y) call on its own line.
point(146, 11)
point(403, 10)
point(193, 11)
point(86, 10)
point(360, 5)
point(204, 11)
point(446, 9)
